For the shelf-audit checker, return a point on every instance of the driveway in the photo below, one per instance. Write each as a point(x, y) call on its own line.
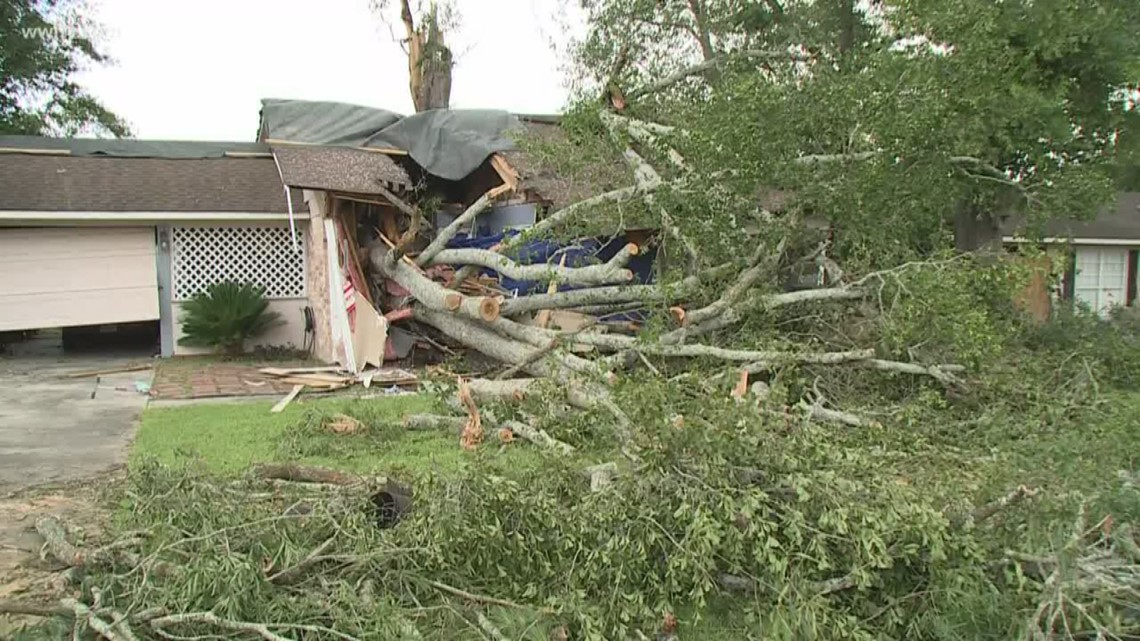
point(52, 430)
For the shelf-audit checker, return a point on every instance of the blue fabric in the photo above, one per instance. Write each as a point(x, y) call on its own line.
point(583, 252)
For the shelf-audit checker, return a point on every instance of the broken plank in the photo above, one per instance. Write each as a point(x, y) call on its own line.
point(388, 375)
point(283, 403)
point(324, 377)
point(313, 382)
point(110, 370)
point(289, 371)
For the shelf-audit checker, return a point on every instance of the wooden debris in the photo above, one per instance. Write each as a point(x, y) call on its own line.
point(111, 370)
point(741, 388)
point(543, 317)
point(283, 403)
point(473, 430)
point(344, 424)
point(331, 379)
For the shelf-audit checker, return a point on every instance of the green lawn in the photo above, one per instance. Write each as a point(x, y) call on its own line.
point(226, 439)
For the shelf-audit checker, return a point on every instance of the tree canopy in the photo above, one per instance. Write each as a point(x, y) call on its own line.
point(931, 119)
point(43, 45)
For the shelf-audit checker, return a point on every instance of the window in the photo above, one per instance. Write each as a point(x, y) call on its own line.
point(1101, 277)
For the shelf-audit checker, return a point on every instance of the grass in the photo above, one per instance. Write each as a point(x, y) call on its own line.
point(225, 439)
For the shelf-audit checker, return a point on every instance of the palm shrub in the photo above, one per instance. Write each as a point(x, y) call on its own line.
point(226, 315)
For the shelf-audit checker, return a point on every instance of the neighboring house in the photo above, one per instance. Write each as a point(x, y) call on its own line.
point(1102, 264)
point(101, 232)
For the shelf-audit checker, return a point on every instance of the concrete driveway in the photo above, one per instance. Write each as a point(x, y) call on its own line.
point(52, 430)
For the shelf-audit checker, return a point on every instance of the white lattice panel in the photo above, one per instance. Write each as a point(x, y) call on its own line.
point(264, 256)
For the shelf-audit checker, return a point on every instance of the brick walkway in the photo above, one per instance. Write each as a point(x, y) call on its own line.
point(182, 380)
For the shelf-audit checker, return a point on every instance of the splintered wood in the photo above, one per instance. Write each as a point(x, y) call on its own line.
point(328, 379)
point(472, 434)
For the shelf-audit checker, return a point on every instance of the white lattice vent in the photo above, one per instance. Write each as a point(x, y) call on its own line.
point(264, 256)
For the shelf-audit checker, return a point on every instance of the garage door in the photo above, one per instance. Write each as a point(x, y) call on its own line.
point(1102, 277)
point(67, 276)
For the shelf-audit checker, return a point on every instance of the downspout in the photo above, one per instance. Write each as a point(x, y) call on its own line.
point(289, 203)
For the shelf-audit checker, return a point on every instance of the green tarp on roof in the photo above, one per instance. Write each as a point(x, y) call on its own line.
point(447, 143)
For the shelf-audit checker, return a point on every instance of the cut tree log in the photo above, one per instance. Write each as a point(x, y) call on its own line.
point(612, 271)
point(431, 294)
point(507, 391)
point(615, 294)
point(456, 425)
point(303, 474)
point(435, 422)
point(481, 337)
point(538, 437)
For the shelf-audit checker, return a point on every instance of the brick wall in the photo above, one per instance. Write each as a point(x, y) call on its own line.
point(317, 274)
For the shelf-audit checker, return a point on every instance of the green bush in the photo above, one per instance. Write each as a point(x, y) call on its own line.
point(1108, 348)
point(226, 315)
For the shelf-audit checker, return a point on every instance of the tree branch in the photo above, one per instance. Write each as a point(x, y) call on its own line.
point(447, 233)
point(612, 271)
point(708, 65)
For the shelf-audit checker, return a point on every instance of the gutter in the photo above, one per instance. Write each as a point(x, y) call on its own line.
point(142, 216)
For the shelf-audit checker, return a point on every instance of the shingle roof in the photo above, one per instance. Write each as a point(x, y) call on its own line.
point(340, 169)
point(100, 183)
point(133, 148)
point(1118, 221)
point(539, 175)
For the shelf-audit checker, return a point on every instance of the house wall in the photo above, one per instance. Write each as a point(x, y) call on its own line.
point(317, 274)
point(197, 265)
point(291, 333)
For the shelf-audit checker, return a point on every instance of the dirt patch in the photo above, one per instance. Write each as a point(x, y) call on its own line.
point(25, 573)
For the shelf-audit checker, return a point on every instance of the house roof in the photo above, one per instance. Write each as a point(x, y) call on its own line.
point(37, 182)
point(537, 173)
point(340, 169)
point(129, 148)
point(1117, 221)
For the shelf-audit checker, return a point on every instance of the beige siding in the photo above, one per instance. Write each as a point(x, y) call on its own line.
point(68, 276)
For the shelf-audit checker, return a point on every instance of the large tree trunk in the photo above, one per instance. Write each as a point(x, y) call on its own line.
point(975, 230)
point(429, 60)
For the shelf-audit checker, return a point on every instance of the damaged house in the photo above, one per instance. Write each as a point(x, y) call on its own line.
point(416, 208)
point(95, 233)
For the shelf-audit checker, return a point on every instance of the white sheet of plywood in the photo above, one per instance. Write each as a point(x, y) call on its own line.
point(338, 314)
point(69, 276)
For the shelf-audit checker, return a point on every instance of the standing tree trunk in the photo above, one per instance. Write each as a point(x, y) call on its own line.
point(975, 230)
point(846, 25)
point(429, 60)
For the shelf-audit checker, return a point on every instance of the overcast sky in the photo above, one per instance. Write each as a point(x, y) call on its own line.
point(198, 70)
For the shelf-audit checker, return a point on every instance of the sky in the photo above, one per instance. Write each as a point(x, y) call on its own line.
point(198, 70)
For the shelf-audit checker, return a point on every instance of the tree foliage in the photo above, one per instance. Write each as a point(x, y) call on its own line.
point(43, 45)
point(928, 119)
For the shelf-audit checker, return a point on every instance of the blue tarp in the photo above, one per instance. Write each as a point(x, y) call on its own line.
point(586, 251)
